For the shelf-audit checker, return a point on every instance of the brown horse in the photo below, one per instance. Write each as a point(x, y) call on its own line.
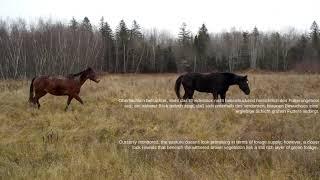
point(60, 86)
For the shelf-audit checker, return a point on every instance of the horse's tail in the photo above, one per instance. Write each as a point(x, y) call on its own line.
point(177, 86)
point(31, 90)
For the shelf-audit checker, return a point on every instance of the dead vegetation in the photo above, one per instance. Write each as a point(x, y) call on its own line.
point(83, 142)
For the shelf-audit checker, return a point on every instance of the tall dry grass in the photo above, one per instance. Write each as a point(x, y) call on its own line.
point(83, 142)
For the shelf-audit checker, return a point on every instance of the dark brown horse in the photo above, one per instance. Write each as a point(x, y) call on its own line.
point(60, 86)
point(215, 83)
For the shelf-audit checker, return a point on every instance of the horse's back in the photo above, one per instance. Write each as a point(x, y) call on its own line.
point(56, 85)
point(40, 81)
point(197, 81)
point(207, 82)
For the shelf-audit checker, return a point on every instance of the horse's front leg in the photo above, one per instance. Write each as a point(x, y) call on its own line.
point(68, 102)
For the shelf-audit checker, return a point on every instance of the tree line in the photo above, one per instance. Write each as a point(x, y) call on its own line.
point(60, 48)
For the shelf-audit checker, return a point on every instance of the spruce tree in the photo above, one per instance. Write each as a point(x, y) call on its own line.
point(105, 30)
point(86, 25)
point(244, 51)
point(135, 32)
point(74, 24)
point(108, 45)
point(122, 37)
point(201, 42)
point(184, 36)
point(254, 47)
point(314, 36)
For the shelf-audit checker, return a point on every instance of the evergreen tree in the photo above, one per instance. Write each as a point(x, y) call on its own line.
point(314, 36)
point(203, 39)
point(135, 32)
point(275, 51)
point(255, 32)
point(254, 48)
point(297, 53)
point(244, 51)
point(86, 25)
point(122, 37)
point(108, 45)
point(185, 47)
point(135, 46)
point(74, 24)
point(105, 30)
point(101, 27)
point(184, 36)
point(201, 42)
point(122, 32)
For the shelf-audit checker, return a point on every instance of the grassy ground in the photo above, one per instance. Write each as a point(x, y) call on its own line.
point(83, 142)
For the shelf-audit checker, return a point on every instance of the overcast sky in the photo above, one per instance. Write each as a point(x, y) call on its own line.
point(218, 15)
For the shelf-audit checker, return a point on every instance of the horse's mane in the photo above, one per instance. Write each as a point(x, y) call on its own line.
point(75, 75)
point(231, 77)
point(79, 73)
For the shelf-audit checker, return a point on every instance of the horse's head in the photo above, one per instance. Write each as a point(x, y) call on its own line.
point(242, 81)
point(91, 74)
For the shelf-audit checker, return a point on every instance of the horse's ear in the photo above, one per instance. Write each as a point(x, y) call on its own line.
point(246, 77)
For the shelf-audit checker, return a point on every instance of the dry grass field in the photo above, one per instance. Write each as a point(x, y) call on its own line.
point(82, 143)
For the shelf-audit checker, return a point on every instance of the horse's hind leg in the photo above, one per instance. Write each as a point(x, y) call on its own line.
point(190, 95)
point(185, 96)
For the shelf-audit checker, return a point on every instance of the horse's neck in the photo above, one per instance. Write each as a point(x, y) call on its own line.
point(233, 81)
point(82, 79)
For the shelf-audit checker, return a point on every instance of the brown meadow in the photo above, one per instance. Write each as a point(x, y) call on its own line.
point(82, 143)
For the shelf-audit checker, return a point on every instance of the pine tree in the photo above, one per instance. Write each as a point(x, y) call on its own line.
point(122, 32)
point(135, 32)
point(135, 46)
point(314, 36)
point(86, 25)
point(276, 48)
point(201, 42)
point(101, 27)
point(105, 30)
point(122, 37)
point(185, 47)
point(108, 45)
point(244, 51)
point(184, 36)
point(254, 39)
point(297, 53)
point(203, 39)
point(74, 24)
